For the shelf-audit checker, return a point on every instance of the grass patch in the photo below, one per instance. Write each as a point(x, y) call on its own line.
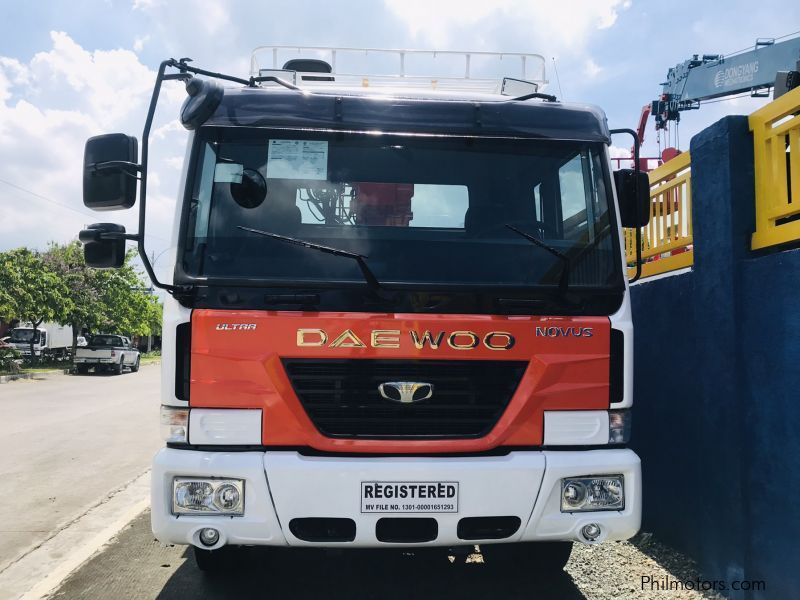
point(39, 369)
point(148, 358)
point(41, 366)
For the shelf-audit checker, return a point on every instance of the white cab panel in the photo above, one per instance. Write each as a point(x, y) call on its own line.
point(575, 427)
point(224, 427)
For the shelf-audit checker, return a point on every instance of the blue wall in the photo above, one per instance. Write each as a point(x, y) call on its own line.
point(717, 384)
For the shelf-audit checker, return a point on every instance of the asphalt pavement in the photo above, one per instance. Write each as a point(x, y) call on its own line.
point(67, 442)
point(134, 565)
point(137, 566)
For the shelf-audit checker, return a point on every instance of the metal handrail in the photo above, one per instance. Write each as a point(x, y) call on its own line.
point(776, 145)
point(667, 240)
point(525, 60)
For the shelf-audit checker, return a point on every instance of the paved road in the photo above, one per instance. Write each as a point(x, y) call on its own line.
point(137, 566)
point(67, 441)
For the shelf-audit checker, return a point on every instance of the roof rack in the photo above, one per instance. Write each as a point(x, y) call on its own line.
point(530, 76)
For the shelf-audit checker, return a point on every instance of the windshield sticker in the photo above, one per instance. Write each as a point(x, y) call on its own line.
point(297, 159)
point(228, 173)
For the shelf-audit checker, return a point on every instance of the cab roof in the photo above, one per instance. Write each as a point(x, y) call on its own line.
point(410, 112)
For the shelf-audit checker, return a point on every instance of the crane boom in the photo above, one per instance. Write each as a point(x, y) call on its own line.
point(769, 64)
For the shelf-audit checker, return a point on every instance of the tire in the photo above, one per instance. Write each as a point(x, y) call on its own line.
point(538, 557)
point(118, 368)
point(135, 366)
point(213, 562)
point(82, 369)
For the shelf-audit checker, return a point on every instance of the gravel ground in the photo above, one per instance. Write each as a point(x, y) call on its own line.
point(134, 565)
point(617, 569)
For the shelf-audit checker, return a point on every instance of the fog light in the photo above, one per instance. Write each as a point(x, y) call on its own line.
point(590, 532)
point(193, 495)
point(210, 536)
point(174, 424)
point(602, 492)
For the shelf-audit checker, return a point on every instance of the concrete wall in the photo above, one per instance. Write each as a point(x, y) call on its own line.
point(717, 388)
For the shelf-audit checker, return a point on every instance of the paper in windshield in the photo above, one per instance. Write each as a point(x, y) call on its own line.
point(297, 159)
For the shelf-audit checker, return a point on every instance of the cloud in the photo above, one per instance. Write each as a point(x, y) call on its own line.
point(144, 4)
point(592, 69)
point(207, 16)
point(112, 82)
point(139, 42)
point(12, 72)
point(551, 26)
point(49, 106)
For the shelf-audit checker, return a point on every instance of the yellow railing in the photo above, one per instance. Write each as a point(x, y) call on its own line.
point(667, 239)
point(776, 139)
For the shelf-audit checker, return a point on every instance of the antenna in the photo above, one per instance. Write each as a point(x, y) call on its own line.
point(558, 81)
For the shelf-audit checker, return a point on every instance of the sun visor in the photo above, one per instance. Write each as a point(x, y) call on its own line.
point(529, 119)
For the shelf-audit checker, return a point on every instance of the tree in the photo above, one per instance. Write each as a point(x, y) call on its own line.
point(87, 309)
point(114, 300)
point(130, 304)
point(32, 291)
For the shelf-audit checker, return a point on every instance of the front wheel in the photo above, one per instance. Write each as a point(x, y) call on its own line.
point(135, 366)
point(540, 557)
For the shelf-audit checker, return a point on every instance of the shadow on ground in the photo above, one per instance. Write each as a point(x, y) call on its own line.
point(137, 566)
point(387, 575)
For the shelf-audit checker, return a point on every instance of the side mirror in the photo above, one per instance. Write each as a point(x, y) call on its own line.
point(110, 164)
point(625, 181)
point(103, 245)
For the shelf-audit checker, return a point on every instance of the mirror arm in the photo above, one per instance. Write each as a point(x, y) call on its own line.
point(121, 165)
point(184, 68)
point(636, 170)
point(142, 168)
point(113, 235)
point(128, 168)
point(96, 235)
point(183, 72)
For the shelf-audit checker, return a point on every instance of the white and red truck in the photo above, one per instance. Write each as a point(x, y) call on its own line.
point(399, 314)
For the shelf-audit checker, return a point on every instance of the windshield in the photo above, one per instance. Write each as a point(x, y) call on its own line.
point(25, 335)
point(106, 340)
point(418, 209)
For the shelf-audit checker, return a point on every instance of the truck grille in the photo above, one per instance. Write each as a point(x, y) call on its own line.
point(341, 396)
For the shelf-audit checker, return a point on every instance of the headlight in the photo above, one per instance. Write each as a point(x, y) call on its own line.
point(192, 496)
point(175, 424)
point(602, 492)
point(619, 426)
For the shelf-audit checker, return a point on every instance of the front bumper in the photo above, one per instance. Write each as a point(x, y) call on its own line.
point(282, 485)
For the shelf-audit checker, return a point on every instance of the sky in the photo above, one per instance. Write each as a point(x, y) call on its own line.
point(71, 70)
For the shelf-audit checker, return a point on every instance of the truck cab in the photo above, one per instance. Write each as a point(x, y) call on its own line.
point(49, 340)
point(399, 317)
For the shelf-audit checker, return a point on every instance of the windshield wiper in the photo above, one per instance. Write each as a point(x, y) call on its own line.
point(563, 281)
point(369, 276)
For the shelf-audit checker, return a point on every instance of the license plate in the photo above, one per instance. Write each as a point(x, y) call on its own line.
point(409, 496)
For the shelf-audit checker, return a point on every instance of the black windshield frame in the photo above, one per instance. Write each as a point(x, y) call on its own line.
point(615, 286)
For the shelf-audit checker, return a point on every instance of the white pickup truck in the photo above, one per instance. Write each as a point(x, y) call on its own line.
point(107, 353)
